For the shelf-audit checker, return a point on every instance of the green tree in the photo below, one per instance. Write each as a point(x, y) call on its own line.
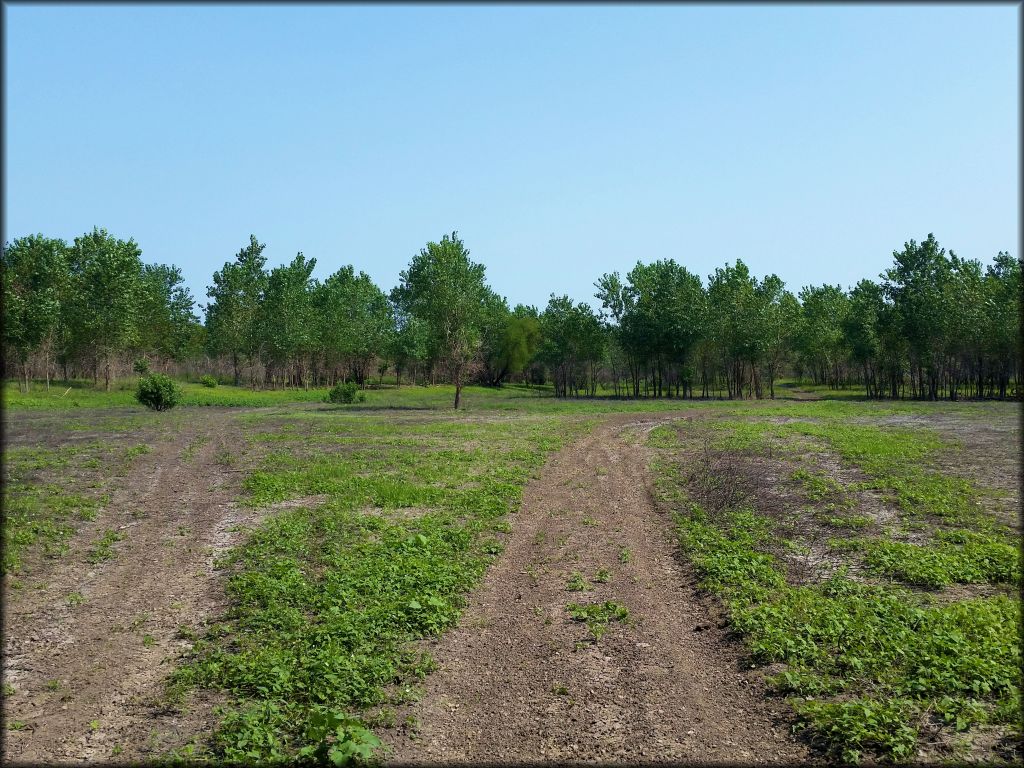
point(446, 291)
point(356, 322)
point(1002, 320)
point(861, 329)
point(915, 286)
point(288, 329)
point(819, 338)
point(167, 316)
point(104, 298)
point(573, 344)
point(733, 317)
point(34, 275)
point(233, 317)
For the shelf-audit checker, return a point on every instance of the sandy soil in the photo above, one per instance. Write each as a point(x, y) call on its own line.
point(89, 686)
point(512, 684)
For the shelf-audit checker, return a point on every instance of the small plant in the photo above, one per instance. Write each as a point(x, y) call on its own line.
point(148, 641)
point(53, 685)
point(116, 750)
point(141, 366)
point(577, 583)
point(8, 689)
point(208, 381)
point(224, 458)
point(94, 725)
point(16, 725)
point(344, 394)
point(76, 598)
point(559, 690)
point(104, 547)
point(598, 616)
point(625, 555)
point(603, 576)
point(158, 392)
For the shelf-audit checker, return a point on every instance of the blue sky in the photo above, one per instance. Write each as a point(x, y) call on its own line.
point(561, 142)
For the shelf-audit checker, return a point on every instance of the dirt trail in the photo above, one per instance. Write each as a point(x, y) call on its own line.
point(110, 654)
point(667, 686)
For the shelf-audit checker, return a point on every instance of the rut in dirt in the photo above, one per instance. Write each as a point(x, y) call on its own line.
point(518, 680)
point(108, 656)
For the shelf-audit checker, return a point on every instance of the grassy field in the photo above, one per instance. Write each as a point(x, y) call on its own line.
point(881, 587)
point(857, 548)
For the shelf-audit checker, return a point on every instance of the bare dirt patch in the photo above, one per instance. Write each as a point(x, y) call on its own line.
point(988, 453)
point(88, 671)
point(518, 680)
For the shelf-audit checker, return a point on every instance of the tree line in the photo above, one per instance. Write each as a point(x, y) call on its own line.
point(933, 325)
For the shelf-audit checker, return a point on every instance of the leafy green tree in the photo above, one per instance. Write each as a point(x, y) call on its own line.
point(233, 315)
point(820, 339)
point(408, 348)
point(862, 333)
point(356, 322)
point(780, 314)
point(446, 291)
point(1002, 319)
point(733, 310)
point(104, 303)
point(167, 316)
point(288, 329)
point(34, 276)
point(915, 286)
point(573, 344)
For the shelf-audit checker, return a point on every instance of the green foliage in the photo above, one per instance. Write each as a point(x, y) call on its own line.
point(104, 549)
point(847, 728)
point(233, 316)
point(573, 345)
point(326, 601)
point(158, 392)
point(597, 616)
point(208, 381)
point(577, 583)
point(958, 557)
point(141, 366)
point(868, 662)
point(40, 513)
point(445, 291)
point(343, 393)
point(33, 275)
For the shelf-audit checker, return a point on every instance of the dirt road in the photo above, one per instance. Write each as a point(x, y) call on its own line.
point(89, 675)
point(518, 681)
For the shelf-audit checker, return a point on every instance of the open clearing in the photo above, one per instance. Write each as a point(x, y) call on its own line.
point(527, 579)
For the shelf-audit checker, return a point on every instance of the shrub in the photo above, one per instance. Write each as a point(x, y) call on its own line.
point(344, 393)
point(141, 366)
point(158, 392)
point(208, 381)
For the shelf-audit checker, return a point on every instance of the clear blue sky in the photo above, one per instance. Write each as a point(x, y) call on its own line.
point(562, 142)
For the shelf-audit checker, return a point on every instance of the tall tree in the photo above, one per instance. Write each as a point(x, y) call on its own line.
point(356, 321)
point(232, 318)
point(34, 276)
point(446, 291)
point(167, 316)
point(105, 297)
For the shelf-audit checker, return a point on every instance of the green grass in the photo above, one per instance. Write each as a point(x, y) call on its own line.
point(867, 665)
point(598, 616)
point(40, 513)
point(85, 395)
point(326, 600)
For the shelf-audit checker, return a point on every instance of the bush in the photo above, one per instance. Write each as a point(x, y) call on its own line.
point(141, 366)
point(158, 392)
point(208, 381)
point(343, 393)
